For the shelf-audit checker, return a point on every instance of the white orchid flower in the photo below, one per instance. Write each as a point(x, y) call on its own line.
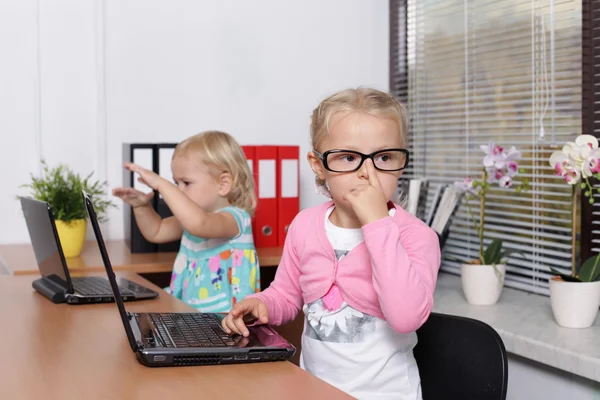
point(505, 181)
point(591, 164)
point(587, 143)
point(505, 158)
point(493, 154)
point(494, 174)
point(512, 168)
point(565, 166)
point(466, 186)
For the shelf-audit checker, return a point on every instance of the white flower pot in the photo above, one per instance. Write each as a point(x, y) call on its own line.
point(482, 284)
point(575, 304)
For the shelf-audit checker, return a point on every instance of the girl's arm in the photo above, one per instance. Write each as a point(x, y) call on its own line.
point(191, 217)
point(405, 264)
point(154, 228)
point(283, 297)
point(151, 225)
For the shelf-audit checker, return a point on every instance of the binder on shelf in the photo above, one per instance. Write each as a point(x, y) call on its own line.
point(163, 154)
point(142, 154)
point(264, 170)
point(157, 158)
point(163, 157)
point(250, 152)
point(417, 197)
point(288, 189)
point(443, 209)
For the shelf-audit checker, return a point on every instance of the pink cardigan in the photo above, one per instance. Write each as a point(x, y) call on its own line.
point(390, 275)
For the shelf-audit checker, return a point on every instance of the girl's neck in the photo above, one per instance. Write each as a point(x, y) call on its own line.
point(344, 218)
point(221, 202)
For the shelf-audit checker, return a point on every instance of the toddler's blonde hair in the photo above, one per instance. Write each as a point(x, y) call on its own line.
point(222, 154)
point(362, 100)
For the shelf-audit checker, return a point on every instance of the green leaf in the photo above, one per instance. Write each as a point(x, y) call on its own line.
point(492, 253)
point(506, 253)
point(590, 270)
point(61, 188)
point(565, 277)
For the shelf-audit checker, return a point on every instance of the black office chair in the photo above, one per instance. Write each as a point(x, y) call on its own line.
point(460, 358)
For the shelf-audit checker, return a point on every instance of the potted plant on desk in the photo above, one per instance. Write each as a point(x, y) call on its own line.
point(62, 189)
point(483, 278)
point(575, 297)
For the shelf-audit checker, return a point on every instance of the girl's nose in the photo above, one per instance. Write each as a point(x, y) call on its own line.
point(362, 171)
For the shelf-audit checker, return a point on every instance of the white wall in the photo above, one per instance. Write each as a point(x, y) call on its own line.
point(85, 76)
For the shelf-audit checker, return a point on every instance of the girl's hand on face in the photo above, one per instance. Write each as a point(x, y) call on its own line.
point(368, 201)
point(146, 176)
point(133, 197)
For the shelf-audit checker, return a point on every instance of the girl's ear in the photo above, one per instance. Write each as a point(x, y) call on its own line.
point(316, 165)
point(225, 182)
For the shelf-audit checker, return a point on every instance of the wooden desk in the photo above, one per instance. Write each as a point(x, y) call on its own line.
point(61, 352)
point(19, 259)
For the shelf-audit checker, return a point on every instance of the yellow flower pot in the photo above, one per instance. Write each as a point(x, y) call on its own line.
point(72, 236)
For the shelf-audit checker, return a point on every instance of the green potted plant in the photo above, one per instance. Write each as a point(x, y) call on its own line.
point(483, 278)
point(575, 297)
point(62, 189)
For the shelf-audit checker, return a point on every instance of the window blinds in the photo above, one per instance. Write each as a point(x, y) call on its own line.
point(508, 71)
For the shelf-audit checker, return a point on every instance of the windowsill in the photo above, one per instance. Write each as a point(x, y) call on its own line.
point(527, 327)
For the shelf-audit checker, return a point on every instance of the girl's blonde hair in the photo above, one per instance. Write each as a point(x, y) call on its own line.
point(362, 100)
point(222, 153)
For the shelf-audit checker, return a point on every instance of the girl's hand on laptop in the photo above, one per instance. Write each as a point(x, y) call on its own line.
point(133, 197)
point(247, 310)
point(147, 177)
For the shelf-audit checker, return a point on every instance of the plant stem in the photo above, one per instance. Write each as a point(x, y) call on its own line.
point(574, 228)
point(481, 211)
point(470, 211)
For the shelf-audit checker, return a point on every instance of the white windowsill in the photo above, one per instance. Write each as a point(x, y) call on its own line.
point(527, 327)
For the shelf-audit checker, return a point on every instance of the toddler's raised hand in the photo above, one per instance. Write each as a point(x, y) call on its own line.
point(133, 197)
point(147, 177)
point(247, 310)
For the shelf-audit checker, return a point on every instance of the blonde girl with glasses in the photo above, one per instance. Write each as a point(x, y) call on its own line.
point(361, 268)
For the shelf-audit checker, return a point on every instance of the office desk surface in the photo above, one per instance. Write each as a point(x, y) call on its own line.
point(19, 259)
point(57, 351)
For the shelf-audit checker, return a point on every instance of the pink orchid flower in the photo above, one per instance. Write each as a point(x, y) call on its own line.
point(466, 186)
point(505, 181)
point(493, 154)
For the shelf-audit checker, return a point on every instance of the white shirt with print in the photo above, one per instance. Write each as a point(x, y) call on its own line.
point(353, 351)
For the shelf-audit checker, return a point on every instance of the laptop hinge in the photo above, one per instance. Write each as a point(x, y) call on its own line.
point(136, 332)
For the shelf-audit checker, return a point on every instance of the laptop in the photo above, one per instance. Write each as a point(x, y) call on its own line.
point(56, 282)
point(178, 339)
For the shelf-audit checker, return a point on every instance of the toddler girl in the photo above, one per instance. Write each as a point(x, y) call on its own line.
point(212, 201)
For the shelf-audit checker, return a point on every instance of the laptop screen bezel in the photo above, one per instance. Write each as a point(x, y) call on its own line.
point(109, 270)
point(28, 203)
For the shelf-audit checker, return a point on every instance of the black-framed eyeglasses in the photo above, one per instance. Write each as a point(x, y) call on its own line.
point(388, 160)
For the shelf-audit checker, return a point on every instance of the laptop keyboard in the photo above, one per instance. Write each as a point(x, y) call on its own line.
point(191, 330)
point(96, 286)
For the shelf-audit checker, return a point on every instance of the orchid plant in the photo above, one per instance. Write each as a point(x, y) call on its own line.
point(576, 163)
point(499, 168)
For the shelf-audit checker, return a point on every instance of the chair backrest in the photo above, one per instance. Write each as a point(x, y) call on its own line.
point(460, 358)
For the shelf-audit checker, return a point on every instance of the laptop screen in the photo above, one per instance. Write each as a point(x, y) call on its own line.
point(109, 270)
point(45, 242)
